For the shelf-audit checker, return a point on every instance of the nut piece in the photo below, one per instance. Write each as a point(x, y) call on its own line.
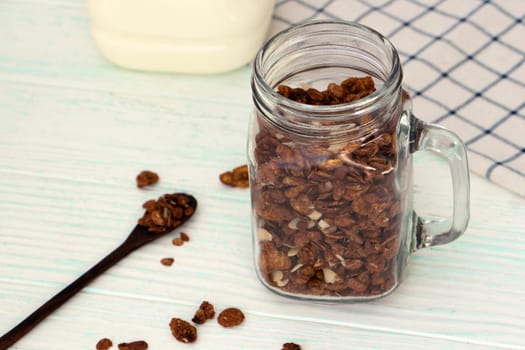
point(104, 344)
point(135, 345)
point(167, 261)
point(230, 317)
point(204, 313)
point(238, 177)
point(278, 278)
point(264, 235)
point(183, 331)
point(291, 346)
point(329, 276)
point(147, 178)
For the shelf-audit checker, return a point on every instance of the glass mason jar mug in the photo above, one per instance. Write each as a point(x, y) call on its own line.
point(331, 184)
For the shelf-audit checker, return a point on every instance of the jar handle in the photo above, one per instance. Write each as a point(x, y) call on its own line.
point(431, 137)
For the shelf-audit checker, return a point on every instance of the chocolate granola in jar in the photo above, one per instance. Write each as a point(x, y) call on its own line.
point(330, 146)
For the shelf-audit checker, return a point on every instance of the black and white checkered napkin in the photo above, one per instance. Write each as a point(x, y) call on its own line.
point(463, 62)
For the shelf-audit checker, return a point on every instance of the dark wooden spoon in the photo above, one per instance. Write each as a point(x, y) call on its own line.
point(137, 238)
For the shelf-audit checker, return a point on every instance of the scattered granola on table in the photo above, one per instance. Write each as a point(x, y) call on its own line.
point(204, 313)
point(167, 261)
point(291, 346)
point(166, 213)
point(183, 331)
point(147, 178)
point(104, 344)
point(135, 345)
point(327, 213)
point(230, 317)
point(238, 177)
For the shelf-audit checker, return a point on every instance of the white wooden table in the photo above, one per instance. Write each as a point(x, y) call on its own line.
point(75, 131)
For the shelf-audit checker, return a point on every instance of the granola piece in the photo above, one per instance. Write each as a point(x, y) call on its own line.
point(238, 177)
point(167, 261)
point(183, 331)
point(271, 258)
point(147, 178)
point(104, 344)
point(204, 313)
point(135, 345)
point(184, 236)
point(291, 346)
point(230, 317)
point(178, 241)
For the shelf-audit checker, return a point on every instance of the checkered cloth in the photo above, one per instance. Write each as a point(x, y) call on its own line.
point(463, 62)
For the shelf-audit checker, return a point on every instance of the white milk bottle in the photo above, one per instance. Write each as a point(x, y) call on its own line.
point(186, 36)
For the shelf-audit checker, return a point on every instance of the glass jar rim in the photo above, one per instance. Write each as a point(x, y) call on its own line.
point(360, 106)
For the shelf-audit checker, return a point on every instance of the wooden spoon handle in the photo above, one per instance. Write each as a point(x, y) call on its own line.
point(55, 302)
point(138, 237)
